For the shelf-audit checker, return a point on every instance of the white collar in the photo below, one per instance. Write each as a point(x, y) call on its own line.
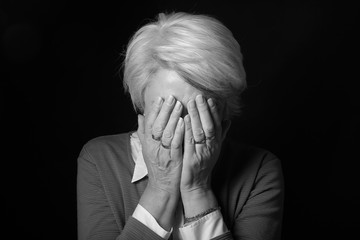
point(140, 170)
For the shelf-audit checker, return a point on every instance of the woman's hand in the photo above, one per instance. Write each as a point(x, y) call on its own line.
point(202, 145)
point(161, 134)
point(161, 138)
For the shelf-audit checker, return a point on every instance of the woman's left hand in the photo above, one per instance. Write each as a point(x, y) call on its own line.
point(202, 145)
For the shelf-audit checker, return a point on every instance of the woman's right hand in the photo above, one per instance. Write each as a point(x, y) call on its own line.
point(161, 133)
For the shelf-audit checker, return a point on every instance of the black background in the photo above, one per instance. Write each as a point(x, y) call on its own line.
point(60, 87)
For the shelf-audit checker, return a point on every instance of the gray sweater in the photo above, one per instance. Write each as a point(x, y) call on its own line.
point(247, 182)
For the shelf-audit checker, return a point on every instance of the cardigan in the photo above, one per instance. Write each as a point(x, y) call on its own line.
point(246, 180)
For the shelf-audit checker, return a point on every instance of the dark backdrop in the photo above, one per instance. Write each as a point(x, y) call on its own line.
point(60, 87)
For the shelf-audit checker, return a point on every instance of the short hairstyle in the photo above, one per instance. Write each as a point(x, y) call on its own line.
point(199, 48)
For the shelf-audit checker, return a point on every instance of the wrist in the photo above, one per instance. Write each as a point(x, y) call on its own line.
point(166, 191)
point(198, 201)
point(157, 197)
point(160, 204)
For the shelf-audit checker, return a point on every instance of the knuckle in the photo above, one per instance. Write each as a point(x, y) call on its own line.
point(202, 108)
point(198, 133)
point(192, 111)
point(188, 127)
point(189, 140)
point(167, 134)
point(210, 131)
point(157, 130)
point(191, 107)
point(167, 108)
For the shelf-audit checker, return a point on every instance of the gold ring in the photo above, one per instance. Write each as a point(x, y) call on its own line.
point(156, 139)
point(164, 146)
point(200, 142)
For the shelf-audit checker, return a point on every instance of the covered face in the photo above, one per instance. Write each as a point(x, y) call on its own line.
point(165, 83)
point(200, 56)
point(204, 115)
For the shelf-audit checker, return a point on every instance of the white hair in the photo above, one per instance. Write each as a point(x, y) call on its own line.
point(199, 48)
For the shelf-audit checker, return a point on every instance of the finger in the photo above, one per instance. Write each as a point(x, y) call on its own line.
point(151, 117)
point(189, 145)
point(205, 117)
point(141, 130)
point(169, 130)
point(176, 144)
point(163, 117)
point(215, 115)
point(197, 130)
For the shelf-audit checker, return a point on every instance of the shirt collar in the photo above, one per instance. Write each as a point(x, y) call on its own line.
point(140, 170)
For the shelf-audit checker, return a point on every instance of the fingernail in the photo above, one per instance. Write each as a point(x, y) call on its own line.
point(170, 100)
point(178, 105)
point(187, 118)
point(180, 122)
point(200, 99)
point(158, 101)
point(211, 102)
point(191, 104)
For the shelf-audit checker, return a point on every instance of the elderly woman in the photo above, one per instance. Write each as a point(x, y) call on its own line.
point(178, 176)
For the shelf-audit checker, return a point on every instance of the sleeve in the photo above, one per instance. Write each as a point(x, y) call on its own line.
point(142, 215)
point(207, 227)
point(261, 216)
point(95, 217)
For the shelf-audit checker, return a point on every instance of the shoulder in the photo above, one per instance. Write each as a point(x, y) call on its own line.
point(263, 160)
point(106, 147)
point(108, 141)
point(105, 166)
point(244, 155)
point(241, 163)
point(246, 172)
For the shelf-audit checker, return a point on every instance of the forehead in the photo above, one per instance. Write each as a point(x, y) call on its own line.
point(167, 82)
